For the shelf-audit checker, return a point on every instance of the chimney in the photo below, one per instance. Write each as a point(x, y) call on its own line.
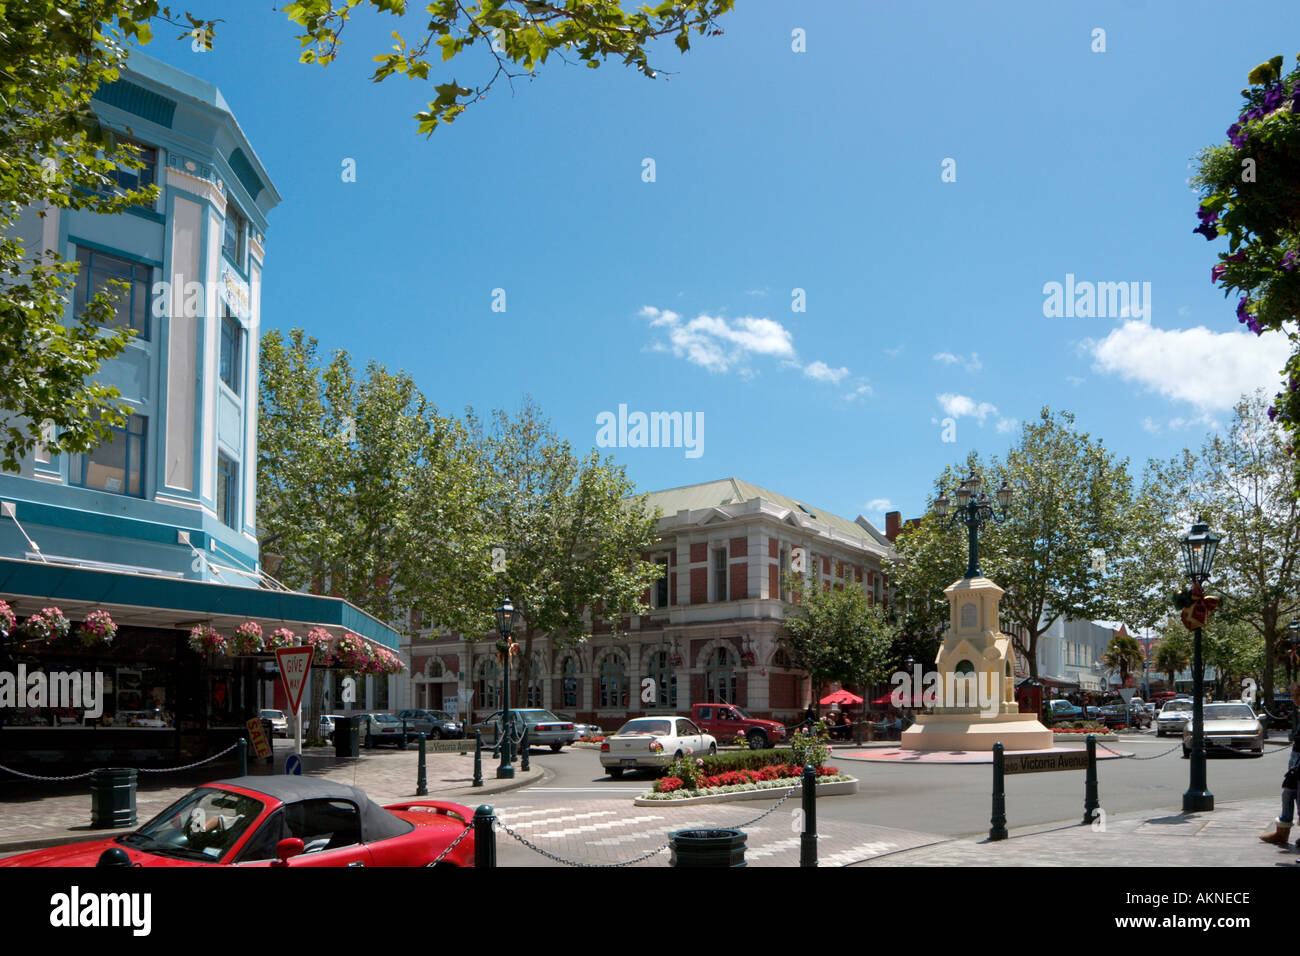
point(892, 521)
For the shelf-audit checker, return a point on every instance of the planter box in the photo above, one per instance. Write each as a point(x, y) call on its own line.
point(832, 789)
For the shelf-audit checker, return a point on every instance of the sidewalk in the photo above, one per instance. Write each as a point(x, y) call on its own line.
point(39, 814)
point(1228, 836)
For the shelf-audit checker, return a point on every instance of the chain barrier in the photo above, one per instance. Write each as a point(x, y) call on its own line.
point(770, 809)
point(79, 776)
point(1164, 753)
point(559, 859)
point(463, 833)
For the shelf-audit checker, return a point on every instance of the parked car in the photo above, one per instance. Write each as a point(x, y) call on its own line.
point(1278, 715)
point(1173, 715)
point(279, 722)
point(1119, 714)
point(279, 820)
point(1063, 710)
point(727, 722)
point(653, 742)
point(544, 728)
point(434, 724)
point(582, 730)
point(384, 728)
point(325, 727)
point(1228, 727)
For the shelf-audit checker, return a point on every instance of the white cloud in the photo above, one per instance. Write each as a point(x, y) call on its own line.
point(1151, 426)
point(947, 358)
point(1074, 380)
point(862, 391)
point(1007, 424)
point(824, 373)
point(962, 406)
point(894, 353)
point(1211, 370)
point(973, 364)
point(878, 505)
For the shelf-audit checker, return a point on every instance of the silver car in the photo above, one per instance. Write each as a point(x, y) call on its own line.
point(544, 728)
point(1229, 727)
point(1173, 717)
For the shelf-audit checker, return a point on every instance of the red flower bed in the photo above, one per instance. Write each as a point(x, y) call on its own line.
point(741, 777)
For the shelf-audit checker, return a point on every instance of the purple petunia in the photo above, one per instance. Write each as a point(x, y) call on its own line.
point(1206, 215)
point(1243, 315)
point(1272, 414)
point(1217, 272)
point(1288, 261)
point(1273, 98)
point(1209, 230)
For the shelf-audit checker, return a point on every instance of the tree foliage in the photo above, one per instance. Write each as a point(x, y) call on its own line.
point(515, 38)
point(835, 635)
point(1123, 654)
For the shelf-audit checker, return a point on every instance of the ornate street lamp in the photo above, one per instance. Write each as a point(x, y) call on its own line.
point(506, 619)
point(1198, 547)
point(973, 510)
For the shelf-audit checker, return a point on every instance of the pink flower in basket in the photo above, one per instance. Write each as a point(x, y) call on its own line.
point(319, 639)
point(281, 637)
point(47, 623)
point(247, 639)
point(8, 619)
point(205, 638)
point(98, 628)
point(351, 654)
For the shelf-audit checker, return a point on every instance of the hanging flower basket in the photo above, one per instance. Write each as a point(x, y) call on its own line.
point(677, 659)
point(97, 628)
point(281, 637)
point(8, 619)
point(747, 658)
point(47, 624)
point(206, 640)
point(319, 640)
point(247, 639)
point(351, 654)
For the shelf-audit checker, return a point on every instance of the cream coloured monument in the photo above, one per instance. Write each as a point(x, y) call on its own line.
point(975, 703)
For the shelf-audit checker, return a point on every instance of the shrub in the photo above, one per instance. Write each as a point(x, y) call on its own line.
point(744, 760)
point(811, 748)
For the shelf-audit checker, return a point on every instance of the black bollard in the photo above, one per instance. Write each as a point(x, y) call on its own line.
point(808, 839)
point(402, 744)
point(478, 759)
point(421, 780)
point(998, 830)
point(1090, 799)
point(370, 740)
point(485, 837)
point(242, 758)
point(524, 747)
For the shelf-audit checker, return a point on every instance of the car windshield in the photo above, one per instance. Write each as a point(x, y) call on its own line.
point(1177, 706)
point(1228, 712)
point(644, 726)
point(535, 715)
point(273, 714)
point(202, 825)
point(387, 719)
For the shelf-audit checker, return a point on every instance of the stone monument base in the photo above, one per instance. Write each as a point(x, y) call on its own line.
point(970, 731)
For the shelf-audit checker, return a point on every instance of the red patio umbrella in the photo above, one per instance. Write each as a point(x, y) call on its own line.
point(841, 697)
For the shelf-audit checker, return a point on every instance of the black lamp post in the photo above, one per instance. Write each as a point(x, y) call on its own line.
point(1293, 636)
point(1198, 546)
point(973, 509)
point(506, 617)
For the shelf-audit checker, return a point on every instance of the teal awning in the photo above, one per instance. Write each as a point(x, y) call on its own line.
point(146, 600)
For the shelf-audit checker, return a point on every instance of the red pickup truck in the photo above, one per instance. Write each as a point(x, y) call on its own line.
point(727, 721)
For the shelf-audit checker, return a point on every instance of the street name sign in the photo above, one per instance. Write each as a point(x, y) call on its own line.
point(1034, 763)
point(294, 663)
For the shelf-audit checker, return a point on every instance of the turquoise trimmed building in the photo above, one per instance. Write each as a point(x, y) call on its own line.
point(158, 525)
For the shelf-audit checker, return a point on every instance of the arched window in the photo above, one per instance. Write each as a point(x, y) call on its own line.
point(659, 668)
point(569, 683)
point(533, 692)
point(613, 682)
point(720, 676)
point(782, 658)
point(487, 684)
point(434, 669)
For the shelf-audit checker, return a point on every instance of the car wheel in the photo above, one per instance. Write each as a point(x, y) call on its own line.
point(555, 748)
point(679, 755)
point(614, 772)
point(757, 739)
point(435, 733)
point(713, 749)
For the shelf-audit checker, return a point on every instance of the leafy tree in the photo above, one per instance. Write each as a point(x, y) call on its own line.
point(1249, 193)
point(1235, 650)
point(1070, 498)
point(515, 37)
point(835, 635)
point(1240, 483)
point(573, 532)
point(1124, 654)
point(53, 56)
point(1174, 652)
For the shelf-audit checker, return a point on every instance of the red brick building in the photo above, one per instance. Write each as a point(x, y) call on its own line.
point(715, 625)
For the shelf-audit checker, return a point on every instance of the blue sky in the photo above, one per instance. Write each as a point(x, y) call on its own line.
point(777, 171)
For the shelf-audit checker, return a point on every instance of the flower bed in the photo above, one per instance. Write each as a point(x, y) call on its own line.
point(824, 779)
point(730, 778)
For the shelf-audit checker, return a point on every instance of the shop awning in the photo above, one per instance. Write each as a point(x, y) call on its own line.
point(146, 600)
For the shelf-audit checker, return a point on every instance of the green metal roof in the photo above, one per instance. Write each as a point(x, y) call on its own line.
point(730, 491)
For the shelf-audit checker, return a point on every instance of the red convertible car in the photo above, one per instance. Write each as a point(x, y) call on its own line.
point(279, 821)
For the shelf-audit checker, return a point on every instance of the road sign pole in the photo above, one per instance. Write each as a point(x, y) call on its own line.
point(297, 732)
point(998, 822)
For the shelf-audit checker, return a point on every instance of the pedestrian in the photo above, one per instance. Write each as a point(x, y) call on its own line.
point(1281, 831)
point(809, 716)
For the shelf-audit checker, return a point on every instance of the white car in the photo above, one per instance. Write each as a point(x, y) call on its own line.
point(1173, 717)
point(279, 722)
point(1228, 727)
point(653, 742)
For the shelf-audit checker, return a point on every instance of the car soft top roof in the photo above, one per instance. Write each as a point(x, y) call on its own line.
point(376, 822)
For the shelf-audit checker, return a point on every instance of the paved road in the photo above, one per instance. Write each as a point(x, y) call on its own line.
point(580, 813)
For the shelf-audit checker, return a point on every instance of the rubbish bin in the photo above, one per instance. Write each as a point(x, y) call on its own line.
point(112, 798)
point(347, 737)
point(707, 848)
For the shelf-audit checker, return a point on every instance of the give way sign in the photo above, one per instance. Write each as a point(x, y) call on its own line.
point(294, 663)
